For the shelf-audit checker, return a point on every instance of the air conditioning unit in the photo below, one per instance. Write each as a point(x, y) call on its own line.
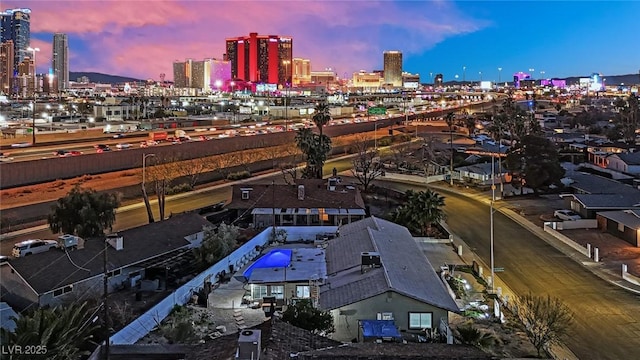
point(249, 346)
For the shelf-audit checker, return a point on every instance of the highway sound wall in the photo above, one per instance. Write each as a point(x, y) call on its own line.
point(38, 171)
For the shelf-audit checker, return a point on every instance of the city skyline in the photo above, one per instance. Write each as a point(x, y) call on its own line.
point(471, 39)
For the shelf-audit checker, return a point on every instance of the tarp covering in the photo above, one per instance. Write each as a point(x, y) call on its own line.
point(379, 329)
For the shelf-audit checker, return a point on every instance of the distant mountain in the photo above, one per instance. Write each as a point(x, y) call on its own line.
point(101, 78)
point(610, 79)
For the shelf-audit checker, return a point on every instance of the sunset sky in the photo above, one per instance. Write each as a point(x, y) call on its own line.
point(142, 38)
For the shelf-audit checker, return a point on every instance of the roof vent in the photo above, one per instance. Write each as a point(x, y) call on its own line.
point(249, 346)
point(300, 192)
point(369, 260)
point(331, 184)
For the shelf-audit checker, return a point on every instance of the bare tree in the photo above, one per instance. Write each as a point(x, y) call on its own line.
point(366, 165)
point(546, 319)
point(162, 176)
point(192, 169)
point(290, 166)
point(399, 154)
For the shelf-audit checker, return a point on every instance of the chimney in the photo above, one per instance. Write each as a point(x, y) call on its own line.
point(116, 241)
point(300, 192)
point(331, 184)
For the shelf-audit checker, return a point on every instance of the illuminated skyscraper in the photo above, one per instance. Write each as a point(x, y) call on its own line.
point(182, 74)
point(393, 68)
point(15, 25)
point(301, 71)
point(6, 66)
point(60, 60)
point(261, 58)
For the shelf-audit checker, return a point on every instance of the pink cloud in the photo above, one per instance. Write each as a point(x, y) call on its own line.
point(143, 38)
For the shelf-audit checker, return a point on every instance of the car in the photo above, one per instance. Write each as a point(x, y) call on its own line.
point(568, 215)
point(21, 145)
point(118, 136)
point(100, 148)
point(34, 246)
point(4, 259)
point(67, 153)
point(123, 146)
point(4, 157)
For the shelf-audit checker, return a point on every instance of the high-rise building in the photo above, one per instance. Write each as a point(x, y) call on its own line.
point(201, 75)
point(393, 68)
point(15, 25)
point(261, 58)
point(60, 60)
point(301, 71)
point(6, 67)
point(182, 74)
point(220, 73)
point(438, 80)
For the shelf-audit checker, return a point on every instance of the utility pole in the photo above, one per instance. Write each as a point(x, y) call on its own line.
point(105, 304)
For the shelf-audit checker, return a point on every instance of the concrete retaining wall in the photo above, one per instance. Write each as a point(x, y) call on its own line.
point(548, 229)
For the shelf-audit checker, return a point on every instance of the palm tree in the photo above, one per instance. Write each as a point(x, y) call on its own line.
point(449, 119)
point(65, 332)
point(421, 210)
point(470, 335)
point(321, 117)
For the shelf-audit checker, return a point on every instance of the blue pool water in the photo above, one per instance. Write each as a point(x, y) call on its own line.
point(273, 259)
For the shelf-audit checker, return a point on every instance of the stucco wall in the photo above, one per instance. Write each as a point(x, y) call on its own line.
point(345, 319)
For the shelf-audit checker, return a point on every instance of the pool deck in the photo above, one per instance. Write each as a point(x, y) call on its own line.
point(306, 263)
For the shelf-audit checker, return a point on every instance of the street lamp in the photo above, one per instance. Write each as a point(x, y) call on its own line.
point(375, 134)
point(464, 74)
point(499, 75)
point(33, 125)
point(493, 199)
point(286, 99)
point(480, 72)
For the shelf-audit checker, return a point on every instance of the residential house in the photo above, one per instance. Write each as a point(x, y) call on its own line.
point(307, 203)
point(286, 274)
point(624, 224)
point(380, 285)
point(480, 174)
point(58, 276)
point(593, 193)
point(628, 162)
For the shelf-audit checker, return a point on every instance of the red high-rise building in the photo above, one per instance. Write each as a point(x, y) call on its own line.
point(261, 58)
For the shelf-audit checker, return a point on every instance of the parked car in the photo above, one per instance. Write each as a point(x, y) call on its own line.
point(568, 215)
point(35, 246)
point(123, 146)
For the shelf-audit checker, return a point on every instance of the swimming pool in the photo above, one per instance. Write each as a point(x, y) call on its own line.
point(279, 258)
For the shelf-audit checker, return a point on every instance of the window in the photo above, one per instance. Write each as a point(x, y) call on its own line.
point(385, 316)
point(114, 273)
point(277, 291)
point(63, 290)
point(302, 291)
point(258, 291)
point(245, 194)
point(420, 320)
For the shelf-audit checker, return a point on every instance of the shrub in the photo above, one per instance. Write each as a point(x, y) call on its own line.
point(239, 175)
point(180, 188)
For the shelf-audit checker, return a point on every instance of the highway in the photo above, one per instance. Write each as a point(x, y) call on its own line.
point(607, 318)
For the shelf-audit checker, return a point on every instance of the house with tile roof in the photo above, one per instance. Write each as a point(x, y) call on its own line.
point(628, 163)
point(57, 276)
point(376, 273)
point(624, 224)
point(308, 202)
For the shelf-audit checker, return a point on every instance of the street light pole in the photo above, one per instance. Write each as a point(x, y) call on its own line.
point(286, 98)
point(375, 135)
point(35, 85)
point(464, 74)
point(493, 199)
point(499, 75)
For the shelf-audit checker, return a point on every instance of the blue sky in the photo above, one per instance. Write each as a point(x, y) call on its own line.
point(142, 38)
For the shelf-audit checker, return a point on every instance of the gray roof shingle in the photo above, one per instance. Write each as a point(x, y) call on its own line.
point(404, 270)
point(51, 270)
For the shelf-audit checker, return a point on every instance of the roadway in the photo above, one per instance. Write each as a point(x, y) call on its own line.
point(607, 318)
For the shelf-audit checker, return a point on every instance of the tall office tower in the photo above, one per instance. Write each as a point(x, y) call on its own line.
point(301, 71)
point(393, 68)
point(261, 58)
point(182, 74)
point(60, 60)
point(6, 67)
point(438, 80)
point(15, 26)
point(201, 75)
